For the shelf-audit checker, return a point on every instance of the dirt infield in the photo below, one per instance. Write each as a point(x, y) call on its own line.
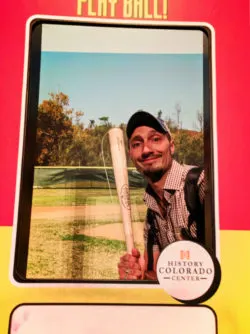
point(113, 231)
point(110, 212)
point(99, 212)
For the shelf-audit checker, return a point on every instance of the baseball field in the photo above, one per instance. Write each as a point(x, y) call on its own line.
point(78, 233)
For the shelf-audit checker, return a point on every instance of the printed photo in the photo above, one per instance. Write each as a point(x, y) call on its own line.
point(121, 163)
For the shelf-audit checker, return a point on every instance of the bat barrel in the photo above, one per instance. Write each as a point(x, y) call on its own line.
point(119, 161)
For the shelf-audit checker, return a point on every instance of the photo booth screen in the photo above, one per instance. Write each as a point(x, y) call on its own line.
point(81, 80)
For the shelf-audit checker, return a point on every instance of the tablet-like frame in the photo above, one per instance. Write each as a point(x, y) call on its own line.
point(20, 244)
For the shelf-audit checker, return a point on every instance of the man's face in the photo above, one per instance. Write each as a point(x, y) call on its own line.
point(150, 151)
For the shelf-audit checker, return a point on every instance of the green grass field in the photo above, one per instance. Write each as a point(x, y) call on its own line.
point(58, 251)
point(68, 197)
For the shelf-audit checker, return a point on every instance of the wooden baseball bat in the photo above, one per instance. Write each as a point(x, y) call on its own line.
point(119, 161)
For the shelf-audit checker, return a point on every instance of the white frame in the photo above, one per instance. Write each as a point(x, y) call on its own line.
point(213, 134)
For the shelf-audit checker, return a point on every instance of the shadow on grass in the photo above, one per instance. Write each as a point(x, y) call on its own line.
point(97, 242)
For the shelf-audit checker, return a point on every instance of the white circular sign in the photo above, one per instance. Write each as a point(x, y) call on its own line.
point(185, 270)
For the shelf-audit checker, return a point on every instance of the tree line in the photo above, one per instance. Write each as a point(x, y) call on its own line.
point(63, 140)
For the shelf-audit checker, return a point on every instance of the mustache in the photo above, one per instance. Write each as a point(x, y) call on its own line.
point(147, 156)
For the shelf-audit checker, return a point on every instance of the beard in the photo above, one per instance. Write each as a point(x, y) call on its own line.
point(156, 171)
point(154, 174)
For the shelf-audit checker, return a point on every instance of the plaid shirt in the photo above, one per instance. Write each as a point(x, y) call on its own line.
point(169, 226)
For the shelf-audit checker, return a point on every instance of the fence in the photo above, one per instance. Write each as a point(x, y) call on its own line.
point(81, 177)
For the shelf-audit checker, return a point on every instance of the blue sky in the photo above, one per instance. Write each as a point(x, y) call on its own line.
point(116, 85)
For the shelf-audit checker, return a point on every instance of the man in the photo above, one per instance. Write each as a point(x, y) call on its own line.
point(151, 149)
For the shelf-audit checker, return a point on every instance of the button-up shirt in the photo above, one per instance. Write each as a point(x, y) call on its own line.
point(175, 216)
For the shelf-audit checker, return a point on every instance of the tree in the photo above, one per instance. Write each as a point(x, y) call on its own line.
point(78, 114)
point(91, 123)
point(89, 146)
point(196, 150)
point(159, 114)
point(200, 120)
point(189, 147)
point(54, 130)
point(178, 111)
point(182, 144)
point(171, 125)
point(104, 120)
point(77, 151)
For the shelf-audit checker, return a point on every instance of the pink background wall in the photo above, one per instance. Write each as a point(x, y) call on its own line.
point(232, 26)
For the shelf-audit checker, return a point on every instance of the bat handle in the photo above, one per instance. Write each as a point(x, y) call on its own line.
point(129, 243)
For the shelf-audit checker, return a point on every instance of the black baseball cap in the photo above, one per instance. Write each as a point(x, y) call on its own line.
point(144, 118)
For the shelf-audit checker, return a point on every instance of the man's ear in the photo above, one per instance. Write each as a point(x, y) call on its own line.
point(172, 147)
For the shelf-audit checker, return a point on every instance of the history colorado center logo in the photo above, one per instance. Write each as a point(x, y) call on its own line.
point(188, 272)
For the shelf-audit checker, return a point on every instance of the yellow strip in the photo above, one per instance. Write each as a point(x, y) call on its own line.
point(231, 302)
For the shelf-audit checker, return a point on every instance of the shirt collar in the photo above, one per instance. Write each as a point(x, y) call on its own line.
point(173, 180)
point(174, 177)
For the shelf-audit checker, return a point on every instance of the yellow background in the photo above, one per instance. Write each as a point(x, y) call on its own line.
point(231, 302)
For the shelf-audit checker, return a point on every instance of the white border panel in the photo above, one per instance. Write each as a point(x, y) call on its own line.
point(120, 40)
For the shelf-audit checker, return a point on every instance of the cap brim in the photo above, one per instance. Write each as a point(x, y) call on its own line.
point(143, 118)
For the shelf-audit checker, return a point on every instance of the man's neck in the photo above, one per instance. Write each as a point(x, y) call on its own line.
point(158, 186)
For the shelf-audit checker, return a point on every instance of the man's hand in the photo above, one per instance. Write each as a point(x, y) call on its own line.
point(131, 266)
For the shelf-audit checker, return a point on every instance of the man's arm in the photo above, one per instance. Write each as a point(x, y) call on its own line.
point(135, 266)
